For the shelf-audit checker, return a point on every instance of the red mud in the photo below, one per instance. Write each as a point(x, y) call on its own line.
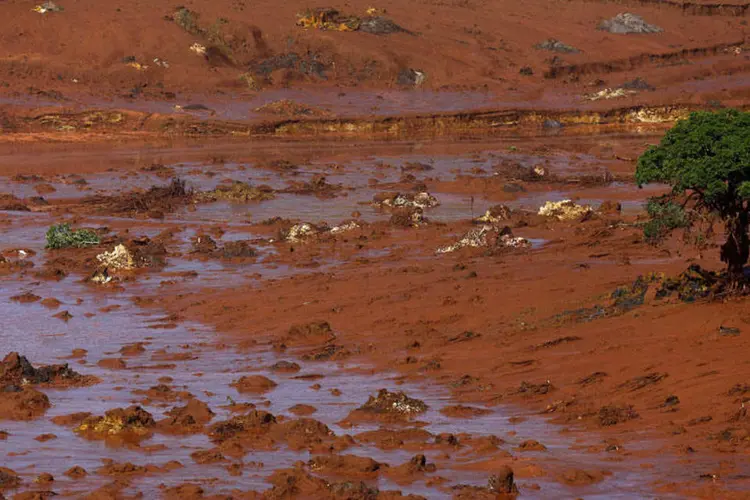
point(345, 357)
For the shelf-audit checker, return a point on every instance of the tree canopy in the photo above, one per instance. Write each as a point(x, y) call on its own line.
point(706, 159)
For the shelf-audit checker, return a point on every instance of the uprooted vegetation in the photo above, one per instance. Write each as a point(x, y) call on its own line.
point(154, 202)
point(238, 192)
point(692, 285)
point(62, 236)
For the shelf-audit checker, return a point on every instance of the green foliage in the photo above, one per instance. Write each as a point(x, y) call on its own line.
point(61, 236)
point(708, 155)
point(665, 216)
point(706, 160)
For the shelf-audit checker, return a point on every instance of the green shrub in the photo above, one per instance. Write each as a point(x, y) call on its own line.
point(61, 236)
point(665, 216)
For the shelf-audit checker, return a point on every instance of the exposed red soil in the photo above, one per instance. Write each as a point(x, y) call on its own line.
point(555, 327)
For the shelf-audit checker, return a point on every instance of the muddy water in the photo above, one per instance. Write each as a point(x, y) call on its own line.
point(105, 320)
point(207, 376)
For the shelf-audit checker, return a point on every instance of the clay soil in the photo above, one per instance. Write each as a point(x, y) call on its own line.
point(283, 324)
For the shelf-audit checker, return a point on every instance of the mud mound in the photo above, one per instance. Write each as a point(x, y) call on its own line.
point(188, 419)
point(155, 202)
point(315, 332)
point(253, 384)
point(18, 403)
point(17, 370)
point(242, 428)
point(388, 406)
point(205, 246)
point(349, 466)
point(304, 433)
point(128, 423)
point(317, 186)
point(8, 479)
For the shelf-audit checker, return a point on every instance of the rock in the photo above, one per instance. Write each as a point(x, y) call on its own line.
point(627, 23)
point(551, 124)
point(564, 210)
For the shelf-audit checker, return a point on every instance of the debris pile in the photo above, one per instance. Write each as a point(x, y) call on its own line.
point(487, 236)
point(494, 215)
point(627, 23)
point(329, 19)
point(132, 421)
point(421, 200)
point(564, 210)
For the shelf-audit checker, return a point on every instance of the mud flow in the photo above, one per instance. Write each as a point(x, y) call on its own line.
point(210, 320)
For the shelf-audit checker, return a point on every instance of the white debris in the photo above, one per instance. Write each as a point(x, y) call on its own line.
point(161, 62)
point(479, 237)
point(419, 78)
point(495, 215)
point(564, 210)
point(101, 277)
point(510, 241)
point(198, 49)
point(609, 94)
point(119, 258)
point(349, 226)
point(300, 232)
point(419, 200)
point(47, 7)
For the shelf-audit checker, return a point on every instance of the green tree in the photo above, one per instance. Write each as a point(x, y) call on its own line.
point(706, 160)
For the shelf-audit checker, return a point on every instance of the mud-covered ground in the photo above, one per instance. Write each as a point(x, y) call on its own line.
point(263, 250)
point(269, 294)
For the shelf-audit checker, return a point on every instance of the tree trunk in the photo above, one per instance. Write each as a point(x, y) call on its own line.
point(736, 250)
